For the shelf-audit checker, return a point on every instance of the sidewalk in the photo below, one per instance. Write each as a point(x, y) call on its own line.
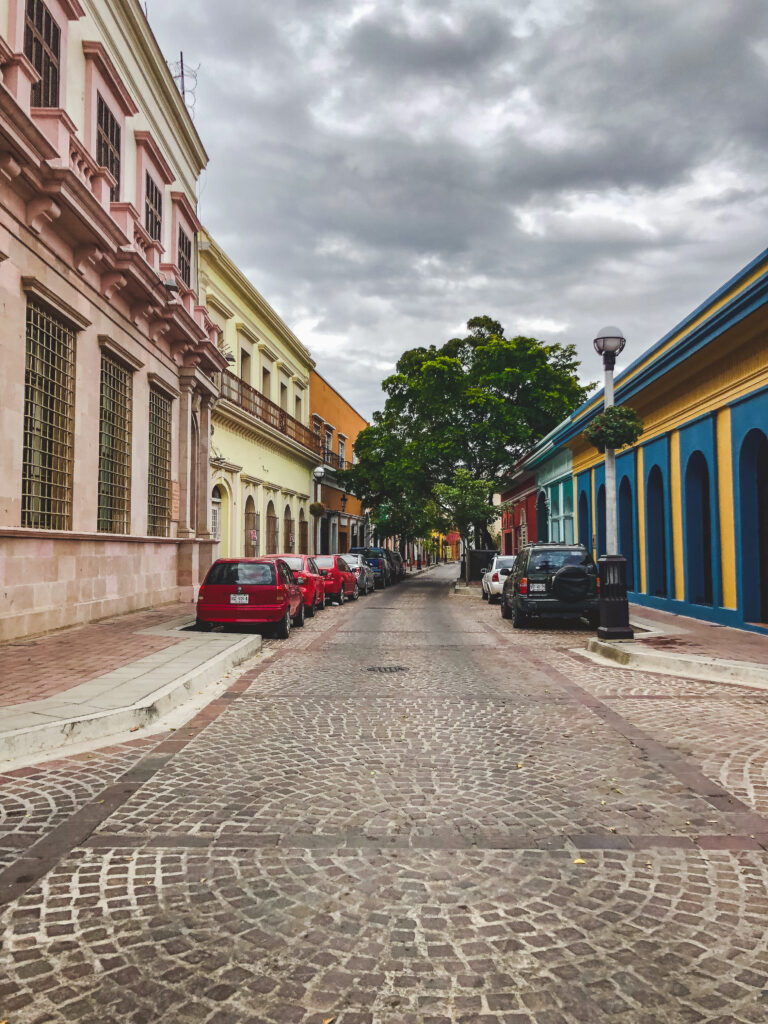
point(682, 646)
point(116, 676)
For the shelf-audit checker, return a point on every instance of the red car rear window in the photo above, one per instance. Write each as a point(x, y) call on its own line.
point(325, 561)
point(255, 573)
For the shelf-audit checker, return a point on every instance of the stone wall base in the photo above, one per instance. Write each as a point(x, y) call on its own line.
point(52, 580)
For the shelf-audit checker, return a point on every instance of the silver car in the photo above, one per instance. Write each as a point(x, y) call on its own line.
point(366, 581)
point(493, 579)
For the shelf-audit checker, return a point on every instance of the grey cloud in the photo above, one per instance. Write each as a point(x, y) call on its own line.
point(378, 177)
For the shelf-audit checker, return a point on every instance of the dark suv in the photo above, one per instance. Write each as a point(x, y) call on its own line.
point(552, 581)
point(379, 562)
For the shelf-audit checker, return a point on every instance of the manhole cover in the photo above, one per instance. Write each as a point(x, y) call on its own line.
point(387, 668)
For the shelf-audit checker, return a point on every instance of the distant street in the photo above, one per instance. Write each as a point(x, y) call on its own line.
point(408, 813)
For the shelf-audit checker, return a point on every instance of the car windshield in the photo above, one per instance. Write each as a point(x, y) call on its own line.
point(551, 561)
point(507, 562)
point(293, 562)
point(325, 561)
point(255, 573)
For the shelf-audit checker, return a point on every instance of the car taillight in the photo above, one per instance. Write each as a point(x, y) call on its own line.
point(522, 586)
point(495, 578)
point(201, 594)
point(280, 593)
point(598, 583)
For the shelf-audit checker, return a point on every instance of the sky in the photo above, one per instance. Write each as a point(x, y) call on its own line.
point(384, 170)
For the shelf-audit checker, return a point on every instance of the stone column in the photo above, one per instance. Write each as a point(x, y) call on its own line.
point(186, 387)
point(204, 468)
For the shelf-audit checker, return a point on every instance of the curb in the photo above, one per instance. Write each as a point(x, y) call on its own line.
point(101, 726)
point(692, 666)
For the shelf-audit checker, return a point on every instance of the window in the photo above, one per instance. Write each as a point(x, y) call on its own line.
point(42, 41)
point(266, 383)
point(245, 366)
point(284, 397)
point(108, 143)
point(114, 513)
point(250, 573)
point(185, 258)
point(216, 513)
point(328, 442)
point(341, 449)
point(297, 408)
point(153, 209)
point(49, 391)
point(159, 475)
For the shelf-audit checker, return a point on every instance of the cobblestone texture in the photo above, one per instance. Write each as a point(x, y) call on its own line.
point(503, 833)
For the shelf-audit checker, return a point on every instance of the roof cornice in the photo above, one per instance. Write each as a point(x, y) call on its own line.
point(212, 253)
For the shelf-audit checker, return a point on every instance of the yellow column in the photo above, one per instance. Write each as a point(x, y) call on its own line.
point(677, 515)
point(640, 519)
point(725, 498)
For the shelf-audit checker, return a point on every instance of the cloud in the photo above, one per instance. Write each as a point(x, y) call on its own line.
point(383, 172)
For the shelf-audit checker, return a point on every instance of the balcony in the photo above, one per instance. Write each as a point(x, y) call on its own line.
point(332, 459)
point(234, 390)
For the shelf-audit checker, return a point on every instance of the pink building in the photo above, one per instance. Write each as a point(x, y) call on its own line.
point(107, 356)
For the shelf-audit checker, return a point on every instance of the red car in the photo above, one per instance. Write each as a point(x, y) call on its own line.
point(250, 591)
point(340, 581)
point(308, 577)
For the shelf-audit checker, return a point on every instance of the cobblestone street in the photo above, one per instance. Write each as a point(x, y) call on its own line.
point(407, 813)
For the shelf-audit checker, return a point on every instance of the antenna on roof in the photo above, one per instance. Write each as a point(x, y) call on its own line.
point(185, 78)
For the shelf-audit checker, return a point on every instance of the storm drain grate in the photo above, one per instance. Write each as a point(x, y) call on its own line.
point(385, 669)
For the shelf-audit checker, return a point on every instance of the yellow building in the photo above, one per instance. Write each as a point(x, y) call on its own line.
point(262, 450)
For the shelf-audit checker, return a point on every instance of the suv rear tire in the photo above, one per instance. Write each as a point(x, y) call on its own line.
point(519, 619)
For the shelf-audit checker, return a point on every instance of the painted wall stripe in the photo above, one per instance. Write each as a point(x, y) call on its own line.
point(726, 503)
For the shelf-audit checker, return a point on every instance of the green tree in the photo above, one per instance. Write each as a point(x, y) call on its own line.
point(481, 402)
point(464, 503)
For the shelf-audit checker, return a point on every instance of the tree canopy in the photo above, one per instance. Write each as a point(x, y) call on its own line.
point(479, 402)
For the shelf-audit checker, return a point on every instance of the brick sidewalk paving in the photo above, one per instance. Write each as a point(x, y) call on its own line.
point(49, 665)
point(693, 636)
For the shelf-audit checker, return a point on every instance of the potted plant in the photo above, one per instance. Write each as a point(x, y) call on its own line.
point(615, 428)
point(317, 508)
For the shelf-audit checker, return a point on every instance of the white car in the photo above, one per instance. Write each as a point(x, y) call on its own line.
point(493, 580)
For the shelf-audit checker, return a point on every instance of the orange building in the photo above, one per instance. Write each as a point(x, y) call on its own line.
point(342, 524)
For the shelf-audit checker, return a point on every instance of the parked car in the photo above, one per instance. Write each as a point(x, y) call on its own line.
point(399, 564)
point(493, 579)
point(250, 591)
point(378, 561)
point(340, 581)
point(366, 581)
point(310, 580)
point(552, 581)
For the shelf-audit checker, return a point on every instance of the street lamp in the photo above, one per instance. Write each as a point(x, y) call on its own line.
point(343, 502)
point(614, 607)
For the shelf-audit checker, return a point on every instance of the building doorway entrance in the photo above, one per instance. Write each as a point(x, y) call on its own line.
point(753, 484)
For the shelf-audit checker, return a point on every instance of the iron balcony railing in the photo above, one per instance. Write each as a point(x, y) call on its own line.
point(235, 390)
point(332, 459)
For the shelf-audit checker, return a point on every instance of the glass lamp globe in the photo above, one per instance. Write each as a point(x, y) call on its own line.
point(609, 339)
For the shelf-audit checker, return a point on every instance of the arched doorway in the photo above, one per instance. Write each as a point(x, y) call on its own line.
point(252, 544)
point(753, 488)
point(216, 513)
point(627, 530)
point(288, 538)
point(656, 540)
point(601, 545)
point(698, 531)
point(542, 519)
point(303, 533)
point(273, 529)
point(585, 530)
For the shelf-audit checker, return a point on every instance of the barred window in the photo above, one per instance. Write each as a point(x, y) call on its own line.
point(42, 41)
point(114, 514)
point(159, 476)
point(185, 257)
point(108, 143)
point(153, 209)
point(49, 393)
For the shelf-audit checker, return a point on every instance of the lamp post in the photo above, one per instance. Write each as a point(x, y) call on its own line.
point(614, 607)
point(318, 473)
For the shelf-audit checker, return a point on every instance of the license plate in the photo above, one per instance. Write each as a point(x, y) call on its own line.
point(538, 588)
point(238, 599)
